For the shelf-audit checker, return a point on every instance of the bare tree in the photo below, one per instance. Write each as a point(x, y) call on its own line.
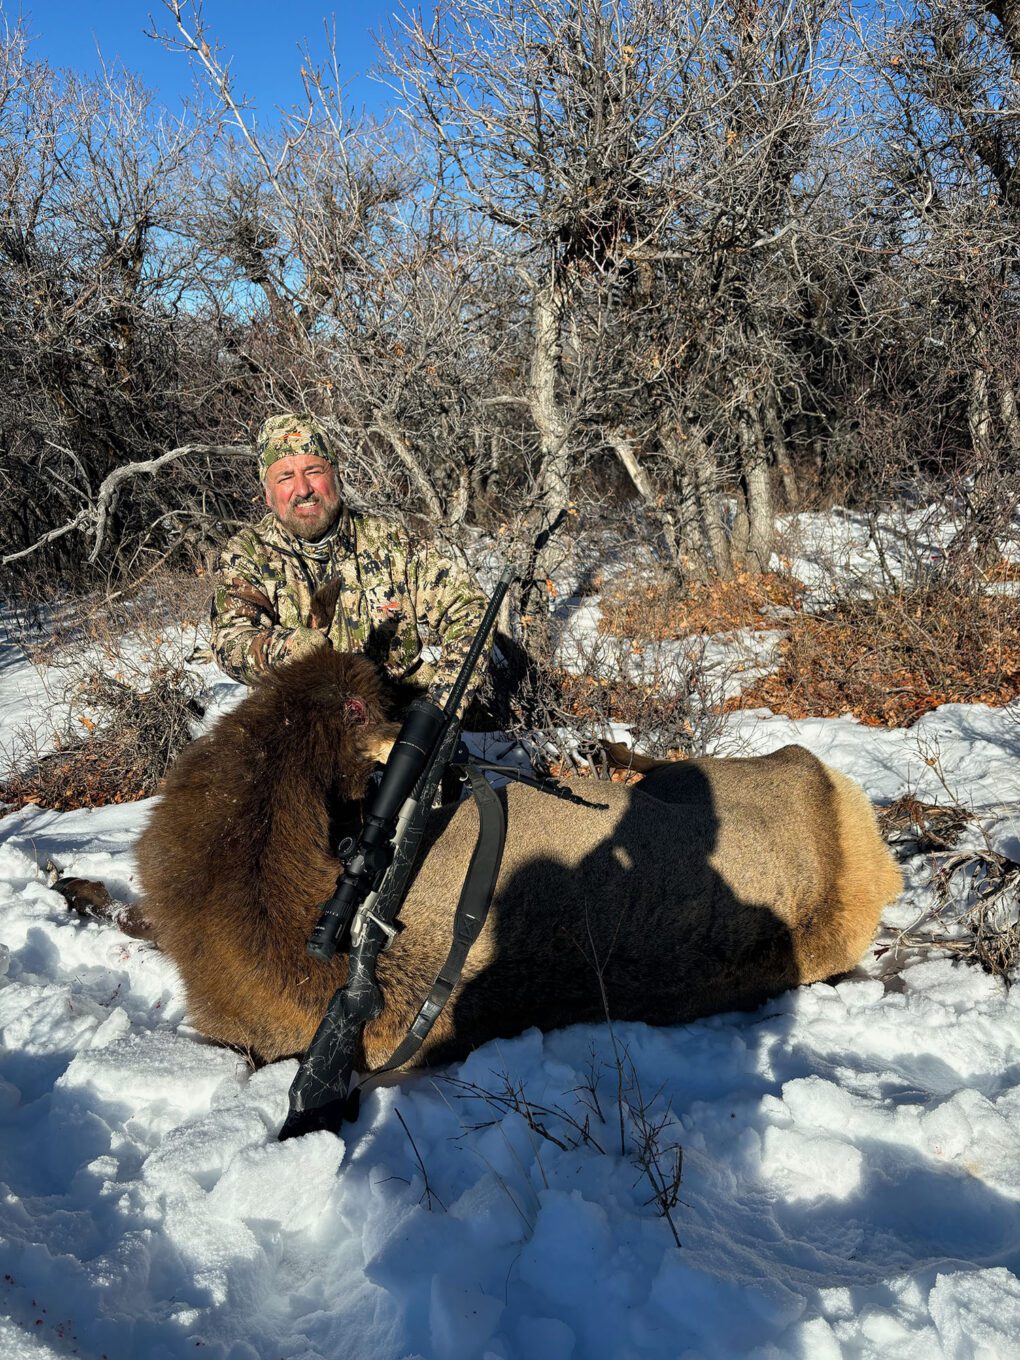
point(651, 173)
point(530, 112)
point(367, 301)
point(105, 363)
point(948, 204)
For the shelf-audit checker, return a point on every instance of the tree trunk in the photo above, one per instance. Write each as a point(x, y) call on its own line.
point(995, 486)
point(979, 417)
point(651, 500)
point(781, 452)
point(995, 438)
point(695, 460)
point(420, 480)
point(757, 491)
point(461, 498)
point(1010, 416)
point(690, 538)
point(554, 468)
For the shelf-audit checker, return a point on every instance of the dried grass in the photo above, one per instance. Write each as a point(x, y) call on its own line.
point(890, 659)
point(886, 659)
point(128, 701)
point(656, 608)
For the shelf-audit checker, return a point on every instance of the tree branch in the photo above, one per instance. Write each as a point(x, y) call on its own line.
point(97, 515)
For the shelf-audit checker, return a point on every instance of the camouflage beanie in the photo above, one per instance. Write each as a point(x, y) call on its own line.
point(283, 436)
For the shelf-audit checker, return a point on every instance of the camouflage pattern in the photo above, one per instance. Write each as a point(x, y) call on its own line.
point(394, 599)
point(285, 435)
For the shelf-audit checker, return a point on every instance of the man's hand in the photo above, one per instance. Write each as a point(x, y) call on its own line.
point(304, 640)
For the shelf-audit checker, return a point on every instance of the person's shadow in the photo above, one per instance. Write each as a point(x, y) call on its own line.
point(631, 921)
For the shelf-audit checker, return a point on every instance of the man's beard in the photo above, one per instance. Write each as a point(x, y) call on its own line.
point(310, 527)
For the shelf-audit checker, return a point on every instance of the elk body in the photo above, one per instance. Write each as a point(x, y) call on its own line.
point(711, 886)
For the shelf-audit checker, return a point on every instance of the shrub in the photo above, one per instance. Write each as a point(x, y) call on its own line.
point(887, 657)
point(116, 669)
point(891, 658)
point(570, 699)
point(657, 608)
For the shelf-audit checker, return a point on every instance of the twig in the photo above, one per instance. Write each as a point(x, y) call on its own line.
point(428, 1194)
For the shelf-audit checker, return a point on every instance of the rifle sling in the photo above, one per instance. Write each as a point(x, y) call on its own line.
point(472, 909)
point(517, 776)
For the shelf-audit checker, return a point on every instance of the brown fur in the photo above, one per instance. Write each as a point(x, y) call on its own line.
point(711, 886)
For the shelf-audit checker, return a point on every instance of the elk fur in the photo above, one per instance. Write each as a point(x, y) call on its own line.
point(711, 886)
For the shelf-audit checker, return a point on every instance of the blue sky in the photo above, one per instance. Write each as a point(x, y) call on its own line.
point(263, 38)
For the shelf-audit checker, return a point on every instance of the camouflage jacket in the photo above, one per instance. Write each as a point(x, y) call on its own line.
point(403, 604)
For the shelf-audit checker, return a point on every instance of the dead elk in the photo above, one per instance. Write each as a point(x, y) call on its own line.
point(710, 886)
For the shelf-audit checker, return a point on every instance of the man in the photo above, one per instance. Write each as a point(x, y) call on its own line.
point(405, 605)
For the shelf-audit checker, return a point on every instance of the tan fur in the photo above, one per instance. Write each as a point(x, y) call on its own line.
point(710, 886)
point(623, 758)
point(867, 870)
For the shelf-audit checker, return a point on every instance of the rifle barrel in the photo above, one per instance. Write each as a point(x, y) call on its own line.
point(480, 639)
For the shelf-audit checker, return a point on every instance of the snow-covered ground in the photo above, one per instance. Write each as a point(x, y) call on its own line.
point(851, 1153)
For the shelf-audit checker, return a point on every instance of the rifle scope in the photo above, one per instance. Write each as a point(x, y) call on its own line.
point(363, 872)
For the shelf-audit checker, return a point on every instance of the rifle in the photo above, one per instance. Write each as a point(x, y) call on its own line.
point(372, 887)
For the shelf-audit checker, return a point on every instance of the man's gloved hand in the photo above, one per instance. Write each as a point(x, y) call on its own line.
point(304, 640)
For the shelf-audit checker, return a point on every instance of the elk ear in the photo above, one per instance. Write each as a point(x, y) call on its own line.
point(324, 605)
point(377, 742)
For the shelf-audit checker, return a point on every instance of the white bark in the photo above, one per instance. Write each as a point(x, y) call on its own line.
point(420, 480)
point(546, 411)
point(638, 474)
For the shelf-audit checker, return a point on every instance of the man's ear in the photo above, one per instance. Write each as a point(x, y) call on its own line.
point(377, 742)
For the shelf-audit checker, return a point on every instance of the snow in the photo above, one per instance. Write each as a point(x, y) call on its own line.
point(850, 1152)
point(972, 748)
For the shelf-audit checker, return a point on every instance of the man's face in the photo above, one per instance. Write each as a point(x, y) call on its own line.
point(303, 494)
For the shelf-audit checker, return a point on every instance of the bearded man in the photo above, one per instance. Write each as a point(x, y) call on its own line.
point(313, 574)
